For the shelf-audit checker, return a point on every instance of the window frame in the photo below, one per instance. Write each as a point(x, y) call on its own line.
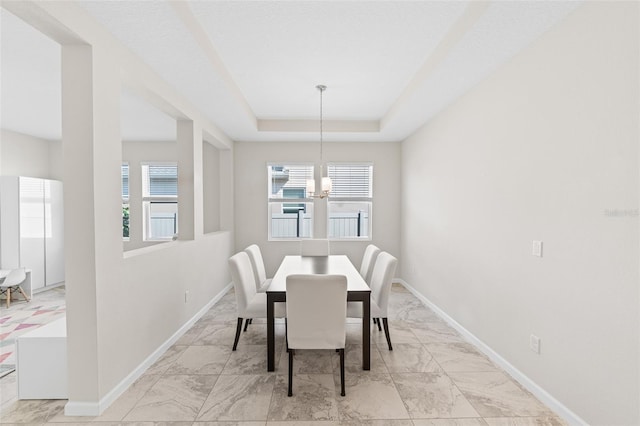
point(148, 200)
point(126, 198)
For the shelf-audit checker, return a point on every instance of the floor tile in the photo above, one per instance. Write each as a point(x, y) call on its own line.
point(450, 422)
point(525, 421)
point(370, 395)
point(80, 423)
point(239, 398)
point(32, 410)
point(432, 395)
point(456, 356)
point(229, 424)
point(386, 422)
point(173, 398)
point(314, 398)
point(432, 377)
point(201, 360)
point(399, 331)
point(122, 405)
point(354, 333)
point(191, 335)
point(249, 359)
point(494, 394)
point(409, 358)
point(353, 358)
point(217, 333)
point(413, 312)
point(165, 361)
point(304, 423)
point(8, 390)
point(309, 362)
point(436, 332)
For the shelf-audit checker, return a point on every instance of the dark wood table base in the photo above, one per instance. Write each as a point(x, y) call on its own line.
point(353, 296)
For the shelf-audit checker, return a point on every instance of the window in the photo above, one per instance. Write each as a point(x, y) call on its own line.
point(160, 201)
point(290, 211)
point(350, 202)
point(124, 172)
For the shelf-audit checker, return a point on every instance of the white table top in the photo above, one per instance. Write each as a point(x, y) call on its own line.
point(334, 264)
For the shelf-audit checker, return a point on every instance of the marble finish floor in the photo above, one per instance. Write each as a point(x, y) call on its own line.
point(432, 377)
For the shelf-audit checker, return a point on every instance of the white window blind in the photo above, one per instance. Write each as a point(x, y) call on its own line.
point(124, 171)
point(351, 181)
point(160, 180)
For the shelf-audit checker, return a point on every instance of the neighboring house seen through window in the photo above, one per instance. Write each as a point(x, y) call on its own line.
point(290, 211)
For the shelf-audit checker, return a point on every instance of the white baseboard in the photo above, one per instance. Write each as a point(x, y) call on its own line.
point(544, 396)
point(78, 408)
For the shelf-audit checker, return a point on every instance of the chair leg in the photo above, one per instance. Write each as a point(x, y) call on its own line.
point(23, 294)
point(286, 334)
point(342, 393)
point(386, 332)
point(378, 322)
point(8, 297)
point(246, 323)
point(238, 329)
point(290, 393)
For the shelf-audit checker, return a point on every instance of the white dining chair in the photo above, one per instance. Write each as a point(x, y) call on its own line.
point(316, 316)
point(381, 280)
point(257, 263)
point(368, 260)
point(11, 283)
point(250, 304)
point(314, 247)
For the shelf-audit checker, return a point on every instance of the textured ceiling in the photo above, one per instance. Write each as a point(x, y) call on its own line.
point(252, 66)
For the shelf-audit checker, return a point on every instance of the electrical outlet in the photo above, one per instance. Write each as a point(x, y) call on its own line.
point(537, 248)
point(186, 296)
point(534, 343)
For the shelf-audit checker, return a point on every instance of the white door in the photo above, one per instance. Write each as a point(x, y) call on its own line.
point(54, 232)
point(32, 229)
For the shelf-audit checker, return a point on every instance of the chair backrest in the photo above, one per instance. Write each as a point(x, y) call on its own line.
point(15, 277)
point(243, 280)
point(314, 247)
point(381, 280)
point(316, 311)
point(368, 260)
point(257, 263)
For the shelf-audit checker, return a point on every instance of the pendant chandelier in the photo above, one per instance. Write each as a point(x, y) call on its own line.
point(325, 187)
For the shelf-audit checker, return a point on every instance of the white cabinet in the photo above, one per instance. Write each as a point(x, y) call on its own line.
point(43, 377)
point(32, 228)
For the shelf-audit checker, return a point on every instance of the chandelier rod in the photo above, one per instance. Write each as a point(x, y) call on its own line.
point(321, 88)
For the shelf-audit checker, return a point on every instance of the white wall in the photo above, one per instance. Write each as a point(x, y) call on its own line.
point(545, 149)
point(25, 155)
point(211, 187)
point(136, 299)
point(251, 195)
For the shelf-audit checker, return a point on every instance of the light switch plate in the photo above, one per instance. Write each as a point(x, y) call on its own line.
point(537, 248)
point(534, 343)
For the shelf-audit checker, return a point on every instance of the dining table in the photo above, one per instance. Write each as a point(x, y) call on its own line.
point(357, 291)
